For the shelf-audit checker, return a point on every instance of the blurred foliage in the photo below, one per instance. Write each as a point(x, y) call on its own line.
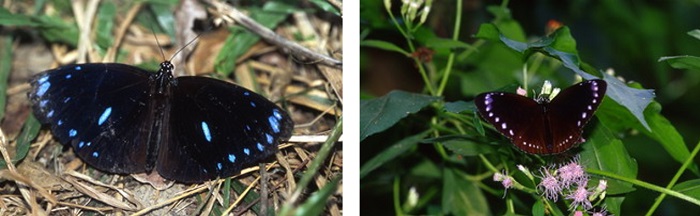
point(440, 149)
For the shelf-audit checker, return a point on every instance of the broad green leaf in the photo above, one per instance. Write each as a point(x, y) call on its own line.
point(682, 62)
point(488, 31)
point(690, 188)
point(381, 113)
point(604, 151)
point(666, 134)
point(469, 147)
point(614, 204)
point(538, 208)
point(635, 100)
point(460, 106)
point(384, 45)
point(392, 152)
point(461, 196)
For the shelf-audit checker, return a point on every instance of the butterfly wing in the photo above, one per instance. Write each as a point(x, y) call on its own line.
point(517, 117)
point(97, 109)
point(217, 129)
point(570, 110)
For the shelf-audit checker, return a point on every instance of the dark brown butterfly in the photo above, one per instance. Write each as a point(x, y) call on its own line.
point(541, 126)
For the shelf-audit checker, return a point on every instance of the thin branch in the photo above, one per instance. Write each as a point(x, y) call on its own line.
point(295, 49)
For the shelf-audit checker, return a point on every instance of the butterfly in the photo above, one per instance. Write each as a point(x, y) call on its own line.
point(122, 119)
point(541, 126)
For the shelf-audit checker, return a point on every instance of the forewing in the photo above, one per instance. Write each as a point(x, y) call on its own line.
point(217, 129)
point(517, 117)
point(570, 110)
point(97, 109)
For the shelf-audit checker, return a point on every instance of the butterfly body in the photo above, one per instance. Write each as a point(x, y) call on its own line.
point(541, 126)
point(122, 119)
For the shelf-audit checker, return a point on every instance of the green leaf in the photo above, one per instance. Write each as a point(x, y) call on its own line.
point(381, 113)
point(383, 45)
point(392, 152)
point(695, 33)
point(682, 62)
point(55, 30)
point(241, 40)
point(690, 188)
point(468, 147)
point(317, 202)
point(488, 31)
point(24, 140)
point(462, 196)
point(325, 6)
point(538, 208)
point(604, 151)
point(105, 17)
point(460, 106)
point(666, 134)
point(163, 14)
point(9, 19)
point(614, 204)
point(563, 41)
point(5, 69)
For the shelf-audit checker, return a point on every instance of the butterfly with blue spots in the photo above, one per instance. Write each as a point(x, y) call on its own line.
point(122, 119)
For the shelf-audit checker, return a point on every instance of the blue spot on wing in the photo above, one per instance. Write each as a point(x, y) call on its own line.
point(274, 124)
point(231, 158)
point(260, 147)
point(43, 87)
point(43, 79)
point(269, 138)
point(95, 154)
point(219, 166)
point(50, 114)
point(72, 132)
point(104, 116)
point(246, 151)
point(205, 130)
point(78, 68)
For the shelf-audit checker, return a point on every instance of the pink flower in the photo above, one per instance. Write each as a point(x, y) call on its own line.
point(602, 212)
point(579, 197)
point(549, 184)
point(571, 173)
point(505, 180)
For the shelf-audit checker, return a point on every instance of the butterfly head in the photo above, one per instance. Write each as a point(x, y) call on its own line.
point(547, 93)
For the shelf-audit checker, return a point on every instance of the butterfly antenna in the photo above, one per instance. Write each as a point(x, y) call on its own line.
point(182, 48)
point(158, 42)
